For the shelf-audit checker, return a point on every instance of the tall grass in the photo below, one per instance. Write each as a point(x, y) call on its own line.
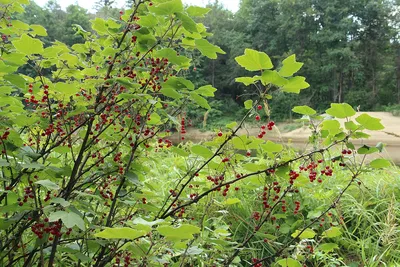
point(370, 212)
point(372, 218)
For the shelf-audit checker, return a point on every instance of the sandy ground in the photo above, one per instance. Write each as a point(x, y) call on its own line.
point(299, 137)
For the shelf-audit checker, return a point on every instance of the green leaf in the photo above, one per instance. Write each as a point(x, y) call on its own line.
point(120, 233)
point(70, 219)
point(380, 146)
point(272, 147)
point(231, 201)
point(144, 222)
point(172, 56)
point(99, 25)
point(253, 167)
point(239, 142)
point(328, 247)
point(55, 216)
point(17, 24)
point(178, 83)
point(28, 45)
point(4, 163)
point(231, 125)
point(304, 110)
point(333, 126)
point(341, 111)
point(295, 85)
point(289, 262)
point(170, 92)
point(350, 125)
point(202, 151)
point(290, 66)
point(154, 119)
point(248, 104)
point(332, 232)
point(245, 80)
point(167, 8)
point(196, 11)
point(39, 30)
point(185, 231)
point(359, 135)
point(370, 123)
point(14, 59)
point(127, 83)
point(207, 49)
point(253, 60)
point(380, 163)
point(179, 151)
point(201, 101)
point(6, 68)
point(187, 22)
point(366, 150)
point(48, 184)
point(62, 149)
point(148, 21)
point(32, 165)
point(6, 90)
point(194, 251)
point(272, 77)
point(206, 90)
point(66, 89)
point(16, 80)
point(307, 234)
point(60, 201)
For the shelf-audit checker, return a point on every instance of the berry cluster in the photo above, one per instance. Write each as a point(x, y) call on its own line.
point(164, 143)
point(311, 168)
point(181, 212)
point(346, 151)
point(28, 194)
point(173, 192)
point(117, 157)
point(263, 129)
point(225, 192)
point(327, 171)
point(254, 260)
point(293, 176)
point(297, 208)
point(105, 192)
point(48, 197)
point(183, 128)
point(283, 207)
point(126, 257)
point(265, 198)
point(5, 135)
point(256, 215)
point(46, 227)
point(216, 180)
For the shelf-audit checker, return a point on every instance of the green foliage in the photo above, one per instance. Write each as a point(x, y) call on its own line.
point(91, 177)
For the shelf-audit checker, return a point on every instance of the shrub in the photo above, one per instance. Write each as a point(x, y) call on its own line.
point(91, 178)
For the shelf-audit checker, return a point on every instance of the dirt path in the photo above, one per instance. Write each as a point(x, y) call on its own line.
point(299, 137)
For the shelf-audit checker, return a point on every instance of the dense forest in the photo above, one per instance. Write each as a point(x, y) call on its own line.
point(351, 49)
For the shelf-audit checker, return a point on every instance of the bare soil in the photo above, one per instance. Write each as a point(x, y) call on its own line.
point(299, 137)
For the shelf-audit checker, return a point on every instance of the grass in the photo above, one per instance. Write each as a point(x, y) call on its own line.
point(395, 110)
point(371, 212)
point(372, 220)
